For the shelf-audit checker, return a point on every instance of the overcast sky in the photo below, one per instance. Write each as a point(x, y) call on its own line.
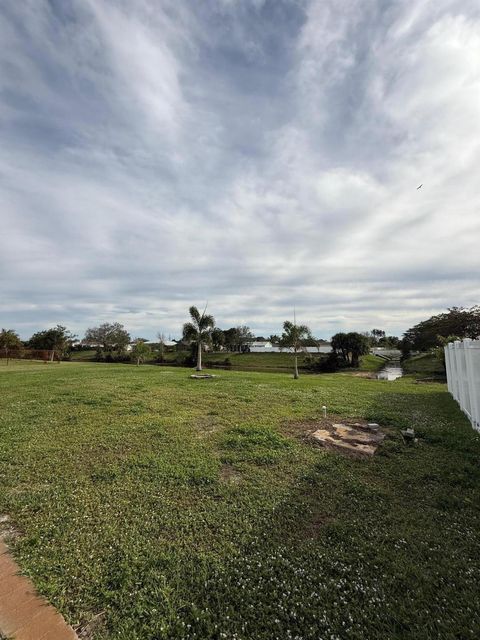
point(258, 154)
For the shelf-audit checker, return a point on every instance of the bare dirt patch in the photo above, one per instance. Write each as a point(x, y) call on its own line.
point(303, 429)
point(369, 375)
point(203, 376)
point(229, 475)
point(93, 626)
point(354, 437)
point(206, 425)
point(8, 533)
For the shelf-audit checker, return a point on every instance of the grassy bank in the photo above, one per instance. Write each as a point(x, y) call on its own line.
point(161, 507)
point(254, 361)
point(424, 365)
point(275, 362)
point(371, 363)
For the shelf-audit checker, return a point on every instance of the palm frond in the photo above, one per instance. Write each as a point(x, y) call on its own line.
point(206, 322)
point(195, 315)
point(190, 331)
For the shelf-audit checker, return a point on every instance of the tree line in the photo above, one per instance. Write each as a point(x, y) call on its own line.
point(456, 323)
point(113, 343)
point(111, 340)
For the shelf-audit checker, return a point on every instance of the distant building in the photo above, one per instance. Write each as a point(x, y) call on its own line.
point(265, 346)
point(168, 344)
point(259, 346)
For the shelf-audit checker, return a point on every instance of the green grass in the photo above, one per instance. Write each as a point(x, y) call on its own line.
point(177, 508)
point(424, 364)
point(371, 363)
point(244, 361)
point(258, 361)
point(279, 362)
point(83, 356)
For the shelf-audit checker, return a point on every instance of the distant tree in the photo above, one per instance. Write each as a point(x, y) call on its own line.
point(57, 340)
point(244, 335)
point(199, 331)
point(237, 337)
point(218, 338)
point(140, 351)
point(377, 334)
point(439, 351)
point(230, 336)
point(357, 346)
point(372, 342)
point(110, 337)
point(457, 321)
point(274, 339)
point(351, 346)
point(405, 347)
point(312, 341)
point(340, 346)
point(294, 337)
point(389, 342)
point(10, 341)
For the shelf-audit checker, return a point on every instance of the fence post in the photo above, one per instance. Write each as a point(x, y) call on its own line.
point(472, 353)
point(449, 366)
point(457, 345)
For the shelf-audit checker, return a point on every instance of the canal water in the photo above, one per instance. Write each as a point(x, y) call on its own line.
point(390, 371)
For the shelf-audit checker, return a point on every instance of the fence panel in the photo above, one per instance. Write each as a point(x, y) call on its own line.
point(462, 360)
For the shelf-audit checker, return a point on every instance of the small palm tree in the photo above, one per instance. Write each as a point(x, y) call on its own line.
point(294, 336)
point(198, 331)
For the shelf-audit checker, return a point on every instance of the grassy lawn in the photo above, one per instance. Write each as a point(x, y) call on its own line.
point(259, 361)
point(162, 507)
point(278, 362)
point(424, 365)
point(371, 363)
point(243, 360)
point(87, 355)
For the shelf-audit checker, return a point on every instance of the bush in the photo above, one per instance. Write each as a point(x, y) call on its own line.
point(185, 360)
point(333, 362)
point(111, 356)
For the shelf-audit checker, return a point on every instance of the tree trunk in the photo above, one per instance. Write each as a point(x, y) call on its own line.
point(295, 369)
point(199, 356)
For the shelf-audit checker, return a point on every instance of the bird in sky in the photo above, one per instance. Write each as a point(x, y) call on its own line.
point(420, 186)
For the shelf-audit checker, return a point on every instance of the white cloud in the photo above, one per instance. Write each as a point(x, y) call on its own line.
point(257, 155)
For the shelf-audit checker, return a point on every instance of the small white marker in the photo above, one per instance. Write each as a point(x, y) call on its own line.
point(324, 409)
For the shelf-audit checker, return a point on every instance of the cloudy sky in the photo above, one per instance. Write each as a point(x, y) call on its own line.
point(258, 154)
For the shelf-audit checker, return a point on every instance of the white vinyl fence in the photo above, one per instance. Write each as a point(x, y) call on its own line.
point(462, 360)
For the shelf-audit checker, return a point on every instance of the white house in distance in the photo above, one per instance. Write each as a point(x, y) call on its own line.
point(260, 346)
point(169, 344)
point(265, 346)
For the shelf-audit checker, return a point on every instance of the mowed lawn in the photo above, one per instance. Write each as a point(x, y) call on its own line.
point(153, 506)
point(248, 361)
